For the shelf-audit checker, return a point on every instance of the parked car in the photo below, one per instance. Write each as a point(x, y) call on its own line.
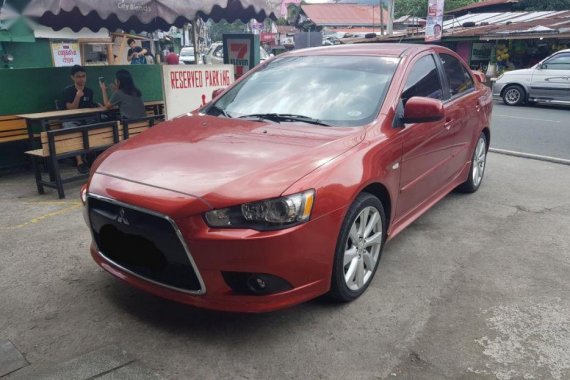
point(187, 55)
point(547, 82)
point(215, 54)
point(287, 185)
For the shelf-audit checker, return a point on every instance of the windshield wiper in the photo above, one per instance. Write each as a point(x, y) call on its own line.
point(286, 117)
point(221, 111)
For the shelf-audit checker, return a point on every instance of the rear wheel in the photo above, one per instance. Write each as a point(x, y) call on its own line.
point(359, 247)
point(514, 95)
point(478, 163)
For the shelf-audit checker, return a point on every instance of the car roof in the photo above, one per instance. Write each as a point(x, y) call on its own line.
point(373, 49)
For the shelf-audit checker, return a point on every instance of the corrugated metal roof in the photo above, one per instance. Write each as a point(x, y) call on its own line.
point(513, 25)
point(344, 14)
point(510, 22)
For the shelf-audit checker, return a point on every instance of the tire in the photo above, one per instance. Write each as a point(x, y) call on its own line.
point(514, 95)
point(362, 261)
point(477, 169)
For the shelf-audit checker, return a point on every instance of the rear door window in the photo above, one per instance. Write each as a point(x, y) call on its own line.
point(458, 77)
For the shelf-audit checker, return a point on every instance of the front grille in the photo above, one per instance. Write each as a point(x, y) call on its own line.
point(143, 243)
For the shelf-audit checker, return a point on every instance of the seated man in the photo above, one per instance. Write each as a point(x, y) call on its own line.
point(77, 96)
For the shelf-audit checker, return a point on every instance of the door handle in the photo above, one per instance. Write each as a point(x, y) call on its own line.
point(448, 123)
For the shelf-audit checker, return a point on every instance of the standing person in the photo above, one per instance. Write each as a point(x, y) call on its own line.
point(126, 96)
point(136, 54)
point(75, 96)
point(171, 58)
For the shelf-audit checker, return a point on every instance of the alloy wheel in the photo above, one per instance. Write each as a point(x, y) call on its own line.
point(362, 248)
point(479, 160)
point(512, 96)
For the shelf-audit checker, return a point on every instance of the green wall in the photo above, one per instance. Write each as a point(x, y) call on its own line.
point(35, 90)
point(29, 55)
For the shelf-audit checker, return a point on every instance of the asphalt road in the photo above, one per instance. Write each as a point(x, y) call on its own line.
point(540, 129)
point(476, 289)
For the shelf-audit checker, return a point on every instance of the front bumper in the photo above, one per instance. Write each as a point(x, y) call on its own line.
point(497, 89)
point(301, 255)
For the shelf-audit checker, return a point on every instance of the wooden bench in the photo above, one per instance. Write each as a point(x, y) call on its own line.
point(12, 128)
point(71, 142)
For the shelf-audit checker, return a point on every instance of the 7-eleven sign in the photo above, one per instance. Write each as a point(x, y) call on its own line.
point(239, 54)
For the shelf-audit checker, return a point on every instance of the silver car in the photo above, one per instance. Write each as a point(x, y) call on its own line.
point(547, 82)
point(215, 54)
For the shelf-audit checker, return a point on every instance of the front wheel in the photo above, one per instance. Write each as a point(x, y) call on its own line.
point(478, 163)
point(359, 247)
point(514, 95)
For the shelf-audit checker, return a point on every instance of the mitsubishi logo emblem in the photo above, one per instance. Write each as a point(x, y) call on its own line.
point(122, 218)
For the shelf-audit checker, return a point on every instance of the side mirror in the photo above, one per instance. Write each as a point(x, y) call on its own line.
point(217, 92)
point(423, 110)
point(480, 76)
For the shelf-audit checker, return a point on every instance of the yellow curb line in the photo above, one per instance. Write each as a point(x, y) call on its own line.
point(48, 215)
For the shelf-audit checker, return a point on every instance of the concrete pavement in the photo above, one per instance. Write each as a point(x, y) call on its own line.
point(540, 129)
point(477, 288)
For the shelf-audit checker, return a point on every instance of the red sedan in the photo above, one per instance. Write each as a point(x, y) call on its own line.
point(288, 184)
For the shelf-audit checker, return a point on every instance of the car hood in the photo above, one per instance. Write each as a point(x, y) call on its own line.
point(226, 161)
point(519, 72)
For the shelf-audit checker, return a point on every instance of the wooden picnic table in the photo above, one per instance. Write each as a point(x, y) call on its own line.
point(43, 118)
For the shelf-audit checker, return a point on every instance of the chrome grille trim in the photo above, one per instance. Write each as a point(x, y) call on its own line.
point(202, 289)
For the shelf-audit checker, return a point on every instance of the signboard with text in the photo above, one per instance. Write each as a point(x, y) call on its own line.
point(241, 51)
point(65, 54)
point(481, 51)
point(188, 87)
point(434, 21)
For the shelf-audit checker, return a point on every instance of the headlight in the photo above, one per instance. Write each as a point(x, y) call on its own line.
point(270, 214)
point(83, 194)
point(499, 78)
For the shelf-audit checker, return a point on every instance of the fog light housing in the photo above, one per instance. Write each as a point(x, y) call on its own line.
point(255, 283)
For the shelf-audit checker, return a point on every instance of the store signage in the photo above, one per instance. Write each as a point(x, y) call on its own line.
point(65, 54)
point(434, 21)
point(241, 51)
point(481, 51)
point(186, 89)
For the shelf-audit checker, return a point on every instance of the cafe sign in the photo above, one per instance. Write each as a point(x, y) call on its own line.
point(65, 54)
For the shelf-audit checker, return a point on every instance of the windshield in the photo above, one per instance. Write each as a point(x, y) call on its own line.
point(186, 52)
point(337, 90)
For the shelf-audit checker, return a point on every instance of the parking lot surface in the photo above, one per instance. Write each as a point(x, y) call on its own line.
point(477, 288)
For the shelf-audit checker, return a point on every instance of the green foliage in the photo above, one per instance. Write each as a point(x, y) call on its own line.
point(281, 21)
point(542, 5)
point(419, 7)
point(218, 29)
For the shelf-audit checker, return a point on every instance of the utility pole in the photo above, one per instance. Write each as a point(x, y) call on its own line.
point(381, 17)
point(391, 15)
point(372, 18)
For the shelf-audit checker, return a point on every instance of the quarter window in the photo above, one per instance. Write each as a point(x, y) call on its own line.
point(559, 62)
point(457, 75)
point(423, 80)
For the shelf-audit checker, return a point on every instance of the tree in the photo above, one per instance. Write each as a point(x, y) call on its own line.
point(219, 28)
point(542, 5)
point(281, 21)
point(418, 8)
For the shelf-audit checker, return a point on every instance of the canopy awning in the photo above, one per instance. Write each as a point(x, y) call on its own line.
point(144, 15)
